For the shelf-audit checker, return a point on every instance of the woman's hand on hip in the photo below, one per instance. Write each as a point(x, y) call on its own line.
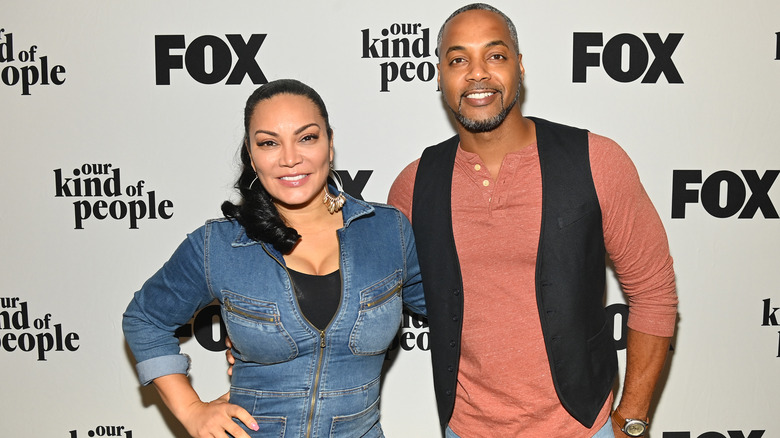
point(215, 419)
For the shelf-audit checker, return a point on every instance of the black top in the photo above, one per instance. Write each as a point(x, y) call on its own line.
point(318, 296)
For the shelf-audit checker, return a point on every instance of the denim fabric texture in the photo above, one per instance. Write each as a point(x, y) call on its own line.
point(606, 431)
point(294, 379)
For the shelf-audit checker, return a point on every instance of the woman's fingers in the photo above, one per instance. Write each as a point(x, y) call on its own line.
point(242, 415)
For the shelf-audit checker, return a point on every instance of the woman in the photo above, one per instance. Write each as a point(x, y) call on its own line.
point(309, 283)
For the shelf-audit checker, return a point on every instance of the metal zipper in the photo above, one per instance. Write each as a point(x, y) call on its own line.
point(231, 308)
point(316, 384)
point(321, 332)
point(384, 297)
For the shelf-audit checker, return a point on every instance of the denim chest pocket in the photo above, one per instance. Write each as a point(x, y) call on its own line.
point(379, 317)
point(255, 329)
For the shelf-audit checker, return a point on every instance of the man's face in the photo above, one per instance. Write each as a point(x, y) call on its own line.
point(479, 69)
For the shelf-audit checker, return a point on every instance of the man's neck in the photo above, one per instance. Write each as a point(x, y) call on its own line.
point(515, 133)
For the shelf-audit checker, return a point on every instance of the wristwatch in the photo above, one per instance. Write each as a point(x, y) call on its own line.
point(630, 426)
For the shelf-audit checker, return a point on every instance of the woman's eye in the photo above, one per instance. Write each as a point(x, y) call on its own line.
point(309, 137)
point(266, 143)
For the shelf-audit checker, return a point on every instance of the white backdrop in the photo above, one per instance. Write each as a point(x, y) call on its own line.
point(80, 99)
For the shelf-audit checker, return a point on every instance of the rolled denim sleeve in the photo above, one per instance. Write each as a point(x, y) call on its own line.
point(164, 303)
point(155, 367)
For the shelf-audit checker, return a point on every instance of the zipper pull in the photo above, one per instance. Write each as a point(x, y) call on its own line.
point(322, 339)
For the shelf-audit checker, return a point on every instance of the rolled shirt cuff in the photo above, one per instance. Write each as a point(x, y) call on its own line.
point(155, 367)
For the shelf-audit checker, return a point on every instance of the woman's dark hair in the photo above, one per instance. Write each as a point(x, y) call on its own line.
point(256, 211)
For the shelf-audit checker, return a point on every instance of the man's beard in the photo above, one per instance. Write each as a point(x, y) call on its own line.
point(490, 123)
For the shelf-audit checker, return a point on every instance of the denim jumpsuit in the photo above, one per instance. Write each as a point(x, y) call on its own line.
point(296, 380)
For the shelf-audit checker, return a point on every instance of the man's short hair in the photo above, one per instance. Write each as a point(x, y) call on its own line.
point(480, 7)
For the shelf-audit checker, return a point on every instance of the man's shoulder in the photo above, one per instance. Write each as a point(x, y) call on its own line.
point(400, 195)
point(402, 188)
point(604, 147)
point(407, 176)
point(442, 148)
point(595, 141)
point(553, 124)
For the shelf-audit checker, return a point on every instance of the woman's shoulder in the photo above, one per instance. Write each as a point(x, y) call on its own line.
point(382, 209)
point(388, 213)
point(220, 229)
point(221, 222)
point(385, 208)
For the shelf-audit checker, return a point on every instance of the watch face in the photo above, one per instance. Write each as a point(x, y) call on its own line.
point(634, 428)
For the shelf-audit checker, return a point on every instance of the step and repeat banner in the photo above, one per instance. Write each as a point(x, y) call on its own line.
point(119, 133)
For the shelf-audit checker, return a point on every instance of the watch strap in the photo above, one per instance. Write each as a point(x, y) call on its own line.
point(622, 421)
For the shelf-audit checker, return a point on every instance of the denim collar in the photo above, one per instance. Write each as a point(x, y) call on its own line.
point(353, 209)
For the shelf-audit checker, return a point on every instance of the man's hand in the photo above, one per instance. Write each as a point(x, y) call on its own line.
point(229, 356)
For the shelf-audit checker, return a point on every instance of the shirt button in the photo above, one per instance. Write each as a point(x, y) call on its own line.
point(477, 167)
point(486, 183)
point(453, 344)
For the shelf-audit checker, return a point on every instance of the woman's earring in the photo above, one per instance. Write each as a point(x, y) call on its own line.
point(252, 183)
point(334, 203)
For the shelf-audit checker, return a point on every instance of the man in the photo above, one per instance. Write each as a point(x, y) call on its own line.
point(513, 217)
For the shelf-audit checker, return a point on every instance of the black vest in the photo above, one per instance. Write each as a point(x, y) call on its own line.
point(570, 272)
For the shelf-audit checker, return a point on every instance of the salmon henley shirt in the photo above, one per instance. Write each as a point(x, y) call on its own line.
point(504, 383)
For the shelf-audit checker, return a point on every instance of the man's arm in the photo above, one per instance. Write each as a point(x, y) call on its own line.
point(645, 359)
point(402, 190)
point(637, 245)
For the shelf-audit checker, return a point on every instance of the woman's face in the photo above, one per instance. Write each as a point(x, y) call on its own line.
point(290, 150)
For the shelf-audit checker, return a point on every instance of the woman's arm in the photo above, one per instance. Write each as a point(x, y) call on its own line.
point(165, 302)
point(202, 419)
